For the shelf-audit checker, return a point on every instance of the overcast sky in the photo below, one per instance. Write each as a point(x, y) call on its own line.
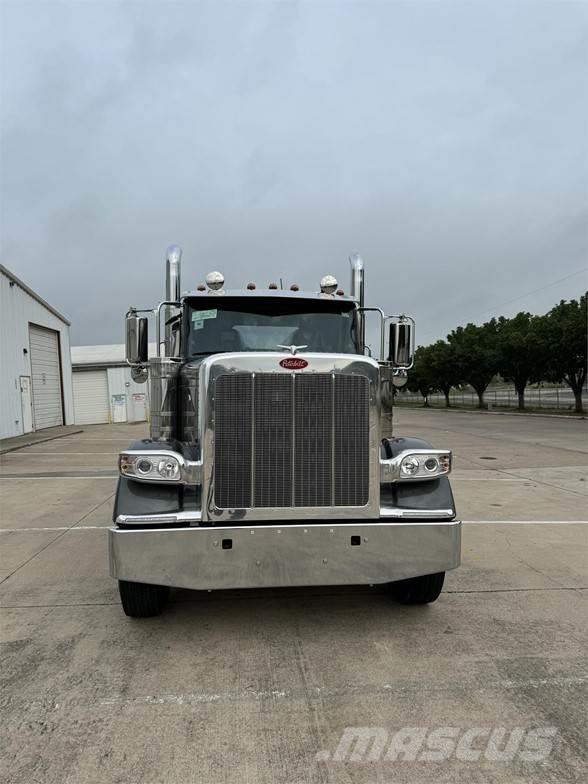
point(447, 142)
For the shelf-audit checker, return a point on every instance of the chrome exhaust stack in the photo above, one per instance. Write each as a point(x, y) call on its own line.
point(358, 292)
point(173, 288)
point(173, 263)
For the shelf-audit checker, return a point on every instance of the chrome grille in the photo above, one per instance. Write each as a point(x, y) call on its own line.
point(291, 440)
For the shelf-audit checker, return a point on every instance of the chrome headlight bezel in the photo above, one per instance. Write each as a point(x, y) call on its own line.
point(427, 464)
point(161, 466)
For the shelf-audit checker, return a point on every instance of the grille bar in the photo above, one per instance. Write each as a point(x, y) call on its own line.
point(313, 440)
point(291, 440)
point(351, 441)
point(233, 463)
point(273, 440)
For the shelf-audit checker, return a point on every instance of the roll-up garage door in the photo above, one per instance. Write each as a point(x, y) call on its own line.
point(90, 390)
point(46, 375)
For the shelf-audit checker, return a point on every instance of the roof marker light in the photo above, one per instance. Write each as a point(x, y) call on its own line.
point(201, 287)
point(340, 293)
point(273, 286)
point(251, 287)
point(215, 280)
point(329, 284)
point(294, 287)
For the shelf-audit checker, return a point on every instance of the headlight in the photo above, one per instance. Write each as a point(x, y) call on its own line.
point(416, 465)
point(154, 467)
point(169, 468)
point(409, 466)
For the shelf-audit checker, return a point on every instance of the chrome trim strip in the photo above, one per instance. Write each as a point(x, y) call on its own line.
point(160, 519)
point(195, 516)
point(414, 514)
point(252, 415)
point(293, 442)
point(333, 420)
point(269, 362)
point(390, 467)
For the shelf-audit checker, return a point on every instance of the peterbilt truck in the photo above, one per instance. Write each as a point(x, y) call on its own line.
point(267, 463)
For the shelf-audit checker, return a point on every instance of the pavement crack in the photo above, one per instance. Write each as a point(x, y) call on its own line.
point(521, 560)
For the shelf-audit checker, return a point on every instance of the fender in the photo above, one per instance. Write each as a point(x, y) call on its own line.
point(136, 498)
point(436, 494)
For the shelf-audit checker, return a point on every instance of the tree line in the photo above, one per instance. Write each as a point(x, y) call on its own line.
point(523, 350)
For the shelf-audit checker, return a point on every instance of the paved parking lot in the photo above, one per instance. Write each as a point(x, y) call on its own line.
point(260, 686)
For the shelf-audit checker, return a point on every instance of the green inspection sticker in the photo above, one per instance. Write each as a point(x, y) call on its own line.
point(201, 315)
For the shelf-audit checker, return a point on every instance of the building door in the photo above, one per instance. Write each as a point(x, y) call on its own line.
point(138, 407)
point(26, 402)
point(90, 390)
point(46, 377)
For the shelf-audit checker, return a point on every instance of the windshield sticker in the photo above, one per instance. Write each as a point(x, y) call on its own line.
point(197, 324)
point(200, 315)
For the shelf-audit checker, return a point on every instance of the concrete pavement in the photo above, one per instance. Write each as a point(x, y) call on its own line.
point(260, 686)
point(38, 437)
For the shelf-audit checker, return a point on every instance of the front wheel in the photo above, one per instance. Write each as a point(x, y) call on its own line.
point(418, 590)
point(140, 600)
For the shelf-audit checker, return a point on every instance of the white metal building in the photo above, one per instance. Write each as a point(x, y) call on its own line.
point(103, 388)
point(35, 367)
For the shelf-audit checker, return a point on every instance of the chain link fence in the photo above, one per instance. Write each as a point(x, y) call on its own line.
point(556, 398)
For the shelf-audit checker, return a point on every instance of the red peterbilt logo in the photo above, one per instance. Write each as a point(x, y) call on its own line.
point(293, 363)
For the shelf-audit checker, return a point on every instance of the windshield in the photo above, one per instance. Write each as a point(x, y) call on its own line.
point(216, 325)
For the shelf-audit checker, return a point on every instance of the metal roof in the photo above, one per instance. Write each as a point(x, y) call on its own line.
point(33, 294)
point(111, 355)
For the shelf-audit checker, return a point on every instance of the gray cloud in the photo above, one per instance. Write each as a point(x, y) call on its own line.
point(446, 142)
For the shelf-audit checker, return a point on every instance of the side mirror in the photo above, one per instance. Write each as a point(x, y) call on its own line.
point(139, 373)
point(400, 345)
point(399, 378)
point(136, 339)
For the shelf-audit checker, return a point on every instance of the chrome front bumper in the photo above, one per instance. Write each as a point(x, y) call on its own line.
point(267, 556)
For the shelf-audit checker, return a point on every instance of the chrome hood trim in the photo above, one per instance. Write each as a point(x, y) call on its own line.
point(269, 362)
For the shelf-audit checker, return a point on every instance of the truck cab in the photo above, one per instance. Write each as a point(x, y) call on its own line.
point(267, 464)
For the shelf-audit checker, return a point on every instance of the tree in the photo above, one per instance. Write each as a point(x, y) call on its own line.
point(476, 355)
point(444, 367)
point(565, 333)
point(522, 351)
point(420, 378)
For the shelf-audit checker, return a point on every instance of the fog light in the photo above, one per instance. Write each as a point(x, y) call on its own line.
point(169, 468)
point(144, 466)
point(409, 466)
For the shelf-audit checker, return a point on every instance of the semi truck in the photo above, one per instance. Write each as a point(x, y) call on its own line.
point(267, 464)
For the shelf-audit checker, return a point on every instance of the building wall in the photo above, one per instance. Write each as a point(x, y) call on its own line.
point(127, 401)
point(121, 383)
point(17, 310)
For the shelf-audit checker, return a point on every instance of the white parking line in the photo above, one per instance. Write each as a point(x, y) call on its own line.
point(316, 692)
point(36, 477)
point(56, 528)
point(485, 479)
point(61, 454)
point(524, 522)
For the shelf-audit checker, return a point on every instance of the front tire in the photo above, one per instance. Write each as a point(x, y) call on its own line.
point(140, 600)
point(418, 590)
